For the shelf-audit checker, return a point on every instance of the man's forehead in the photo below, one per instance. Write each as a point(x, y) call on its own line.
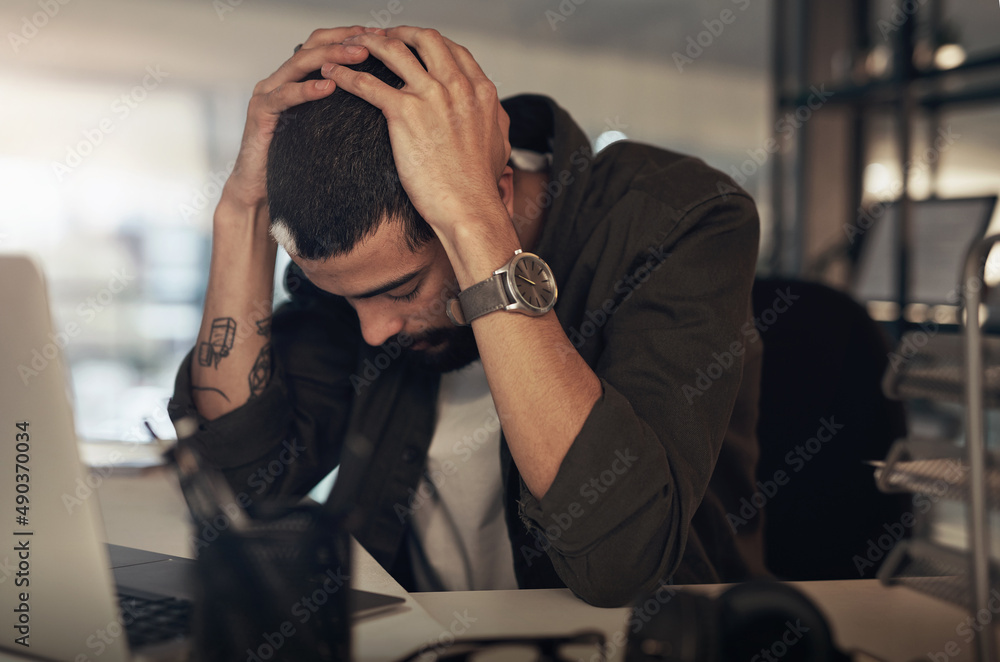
point(381, 259)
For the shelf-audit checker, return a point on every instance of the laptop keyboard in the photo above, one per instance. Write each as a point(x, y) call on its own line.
point(154, 621)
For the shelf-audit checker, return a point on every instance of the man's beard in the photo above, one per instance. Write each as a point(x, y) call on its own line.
point(450, 348)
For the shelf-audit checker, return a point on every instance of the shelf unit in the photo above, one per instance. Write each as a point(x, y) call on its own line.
point(817, 177)
point(964, 370)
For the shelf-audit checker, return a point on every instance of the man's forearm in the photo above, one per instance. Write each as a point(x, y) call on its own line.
point(542, 387)
point(232, 360)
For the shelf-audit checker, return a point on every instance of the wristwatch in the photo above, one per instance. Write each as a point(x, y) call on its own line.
point(524, 285)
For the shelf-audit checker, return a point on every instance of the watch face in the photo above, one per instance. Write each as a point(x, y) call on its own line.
point(534, 283)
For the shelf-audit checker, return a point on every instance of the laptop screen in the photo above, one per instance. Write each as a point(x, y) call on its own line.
point(943, 231)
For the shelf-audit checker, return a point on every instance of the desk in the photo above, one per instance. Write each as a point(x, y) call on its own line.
point(147, 511)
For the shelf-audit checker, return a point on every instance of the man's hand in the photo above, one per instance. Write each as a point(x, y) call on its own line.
point(247, 186)
point(446, 125)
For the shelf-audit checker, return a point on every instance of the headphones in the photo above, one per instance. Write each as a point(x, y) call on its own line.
point(759, 621)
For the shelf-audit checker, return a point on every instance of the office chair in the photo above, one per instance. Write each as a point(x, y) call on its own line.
point(824, 359)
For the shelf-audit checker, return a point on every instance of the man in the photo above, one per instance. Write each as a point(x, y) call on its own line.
point(570, 446)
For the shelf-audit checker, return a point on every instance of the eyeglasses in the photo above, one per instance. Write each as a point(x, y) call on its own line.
point(586, 646)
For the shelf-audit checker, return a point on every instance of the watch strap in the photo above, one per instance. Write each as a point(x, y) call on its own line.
point(482, 298)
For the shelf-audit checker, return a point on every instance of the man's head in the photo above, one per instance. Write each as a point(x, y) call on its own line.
point(331, 179)
point(339, 210)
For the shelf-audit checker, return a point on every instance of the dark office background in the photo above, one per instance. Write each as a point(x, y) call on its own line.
point(113, 185)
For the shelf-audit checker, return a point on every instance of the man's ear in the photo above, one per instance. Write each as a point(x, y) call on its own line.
point(506, 188)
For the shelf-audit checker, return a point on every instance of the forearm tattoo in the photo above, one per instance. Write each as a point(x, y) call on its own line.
point(260, 374)
point(212, 390)
point(221, 336)
point(264, 327)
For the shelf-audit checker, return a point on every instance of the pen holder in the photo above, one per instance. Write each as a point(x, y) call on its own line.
point(276, 589)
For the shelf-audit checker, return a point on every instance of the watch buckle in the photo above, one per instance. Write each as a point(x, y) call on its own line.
point(455, 313)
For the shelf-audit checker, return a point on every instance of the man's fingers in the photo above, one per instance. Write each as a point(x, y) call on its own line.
point(287, 95)
point(307, 60)
point(468, 64)
point(363, 85)
point(435, 50)
point(325, 36)
point(396, 56)
point(446, 61)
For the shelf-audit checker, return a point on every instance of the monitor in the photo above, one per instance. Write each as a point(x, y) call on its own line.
point(943, 231)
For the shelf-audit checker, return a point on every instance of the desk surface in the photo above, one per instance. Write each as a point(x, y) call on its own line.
point(147, 511)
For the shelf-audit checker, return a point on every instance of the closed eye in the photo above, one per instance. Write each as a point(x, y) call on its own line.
point(405, 297)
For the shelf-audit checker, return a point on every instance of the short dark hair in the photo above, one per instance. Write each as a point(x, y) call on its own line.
point(331, 177)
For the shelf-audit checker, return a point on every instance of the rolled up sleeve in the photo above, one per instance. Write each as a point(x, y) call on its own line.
point(287, 438)
point(241, 436)
point(617, 518)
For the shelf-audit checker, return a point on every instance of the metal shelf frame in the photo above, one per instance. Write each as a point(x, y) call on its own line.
point(980, 460)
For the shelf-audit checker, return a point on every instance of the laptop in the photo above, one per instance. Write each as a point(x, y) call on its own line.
point(64, 594)
point(943, 230)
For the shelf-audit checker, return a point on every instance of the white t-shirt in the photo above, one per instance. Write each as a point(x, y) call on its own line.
point(458, 538)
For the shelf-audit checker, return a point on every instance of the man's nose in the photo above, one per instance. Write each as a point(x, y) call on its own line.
point(378, 324)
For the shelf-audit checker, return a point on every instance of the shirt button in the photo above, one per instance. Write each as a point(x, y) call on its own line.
point(411, 454)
